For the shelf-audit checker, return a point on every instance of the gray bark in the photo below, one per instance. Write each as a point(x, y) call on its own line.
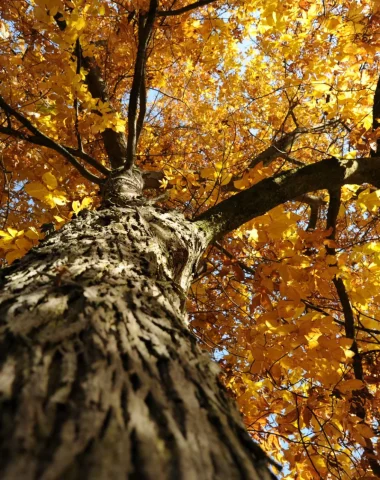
point(99, 375)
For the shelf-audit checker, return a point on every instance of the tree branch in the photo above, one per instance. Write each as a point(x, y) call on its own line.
point(138, 84)
point(179, 11)
point(376, 117)
point(282, 147)
point(357, 401)
point(142, 108)
point(40, 138)
point(349, 319)
point(267, 194)
point(115, 143)
point(76, 102)
point(41, 141)
point(314, 215)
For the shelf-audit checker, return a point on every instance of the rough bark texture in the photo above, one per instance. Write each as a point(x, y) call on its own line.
point(99, 375)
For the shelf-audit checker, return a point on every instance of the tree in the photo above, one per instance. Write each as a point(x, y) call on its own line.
point(259, 123)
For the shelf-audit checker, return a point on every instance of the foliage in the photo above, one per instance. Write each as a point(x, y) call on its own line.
point(238, 91)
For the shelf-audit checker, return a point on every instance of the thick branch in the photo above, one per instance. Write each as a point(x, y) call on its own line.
point(269, 193)
point(279, 149)
point(179, 11)
point(376, 117)
point(138, 84)
point(40, 138)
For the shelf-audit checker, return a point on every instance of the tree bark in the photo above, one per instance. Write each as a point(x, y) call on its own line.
point(99, 375)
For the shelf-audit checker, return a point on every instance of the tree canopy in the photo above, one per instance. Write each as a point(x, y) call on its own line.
point(261, 117)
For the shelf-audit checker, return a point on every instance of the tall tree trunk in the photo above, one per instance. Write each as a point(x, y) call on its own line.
point(99, 375)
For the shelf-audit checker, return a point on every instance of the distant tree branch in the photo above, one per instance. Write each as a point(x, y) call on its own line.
point(229, 255)
point(36, 140)
point(40, 138)
point(267, 194)
point(357, 402)
point(281, 148)
point(115, 143)
point(349, 318)
point(146, 23)
point(376, 117)
point(314, 215)
point(187, 8)
point(142, 108)
point(76, 101)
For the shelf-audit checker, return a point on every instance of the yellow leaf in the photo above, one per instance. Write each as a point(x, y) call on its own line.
point(289, 309)
point(13, 233)
point(76, 206)
point(59, 197)
point(14, 255)
point(79, 24)
point(321, 87)
point(5, 235)
point(49, 180)
point(226, 178)
point(253, 235)
point(4, 34)
point(208, 173)
point(332, 23)
point(23, 244)
point(242, 183)
point(37, 190)
point(350, 385)
point(87, 201)
point(32, 233)
point(364, 430)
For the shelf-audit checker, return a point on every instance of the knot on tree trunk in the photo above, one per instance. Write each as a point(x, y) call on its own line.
point(122, 186)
